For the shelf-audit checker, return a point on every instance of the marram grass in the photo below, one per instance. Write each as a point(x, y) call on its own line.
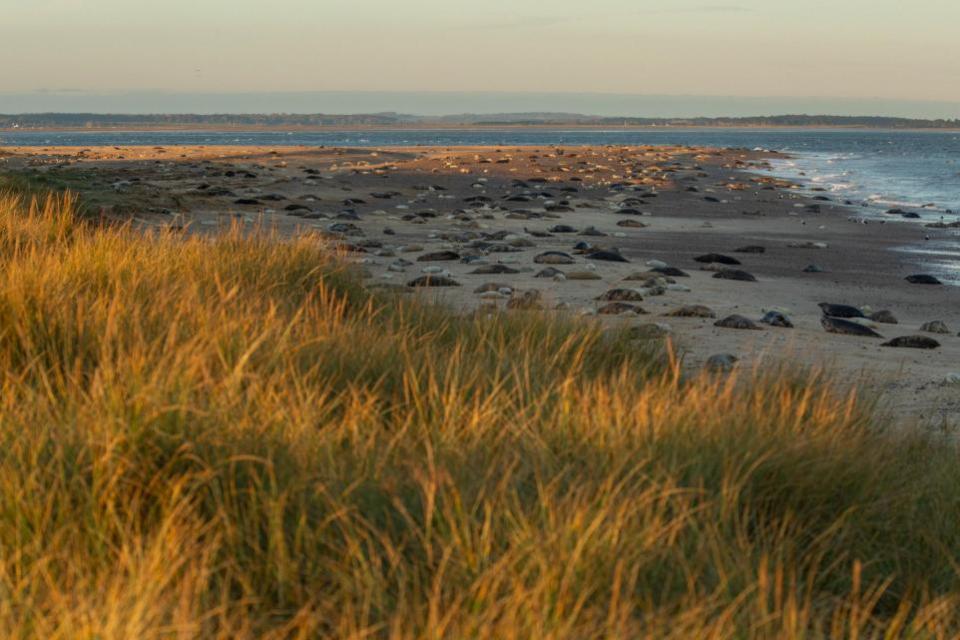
point(228, 437)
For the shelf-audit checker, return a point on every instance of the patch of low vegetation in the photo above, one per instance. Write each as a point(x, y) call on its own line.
point(96, 191)
point(229, 437)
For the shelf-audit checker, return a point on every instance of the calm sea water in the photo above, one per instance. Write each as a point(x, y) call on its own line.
point(918, 171)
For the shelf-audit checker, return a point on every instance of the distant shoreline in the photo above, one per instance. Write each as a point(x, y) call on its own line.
point(462, 127)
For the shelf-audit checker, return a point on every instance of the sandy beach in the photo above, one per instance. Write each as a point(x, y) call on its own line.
point(483, 218)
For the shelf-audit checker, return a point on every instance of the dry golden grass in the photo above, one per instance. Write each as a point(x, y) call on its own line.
point(229, 438)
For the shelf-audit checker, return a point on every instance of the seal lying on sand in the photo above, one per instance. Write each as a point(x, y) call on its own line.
point(549, 272)
point(840, 310)
point(734, 274)
point(737, 322)
point(884, 316)
point(717, 258)
point(433, 281)
point(721, 363)
point(692, 311)
point(622, 295)
point(922, 278)
point(913, 342)
point(936, 326)
point(554, 257)
point(776, 319)
point(837, 325)
point(672, 272)
point(616, 308)
point(438, 256)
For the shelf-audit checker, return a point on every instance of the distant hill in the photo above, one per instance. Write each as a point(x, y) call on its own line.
point(875, 122)
point(284, 120)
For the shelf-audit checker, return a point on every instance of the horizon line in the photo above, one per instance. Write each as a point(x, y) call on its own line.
point(444, 103)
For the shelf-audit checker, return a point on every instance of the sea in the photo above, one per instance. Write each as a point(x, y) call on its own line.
point(872, 170)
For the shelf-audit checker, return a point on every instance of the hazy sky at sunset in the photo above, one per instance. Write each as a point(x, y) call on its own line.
point(889, 49)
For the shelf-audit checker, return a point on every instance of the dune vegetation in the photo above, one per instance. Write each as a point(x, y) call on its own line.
point(229, 437)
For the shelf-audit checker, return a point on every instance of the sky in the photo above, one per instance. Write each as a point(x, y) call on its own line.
point(884, 55)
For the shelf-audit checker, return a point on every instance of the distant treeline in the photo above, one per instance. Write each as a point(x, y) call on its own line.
point(877, 122)
point(276, 120)
point(97, 120)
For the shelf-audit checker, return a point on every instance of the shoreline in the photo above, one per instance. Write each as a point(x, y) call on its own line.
point(875, 208)
point(688, 202)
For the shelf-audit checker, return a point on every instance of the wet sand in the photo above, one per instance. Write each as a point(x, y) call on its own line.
point(497, 206)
